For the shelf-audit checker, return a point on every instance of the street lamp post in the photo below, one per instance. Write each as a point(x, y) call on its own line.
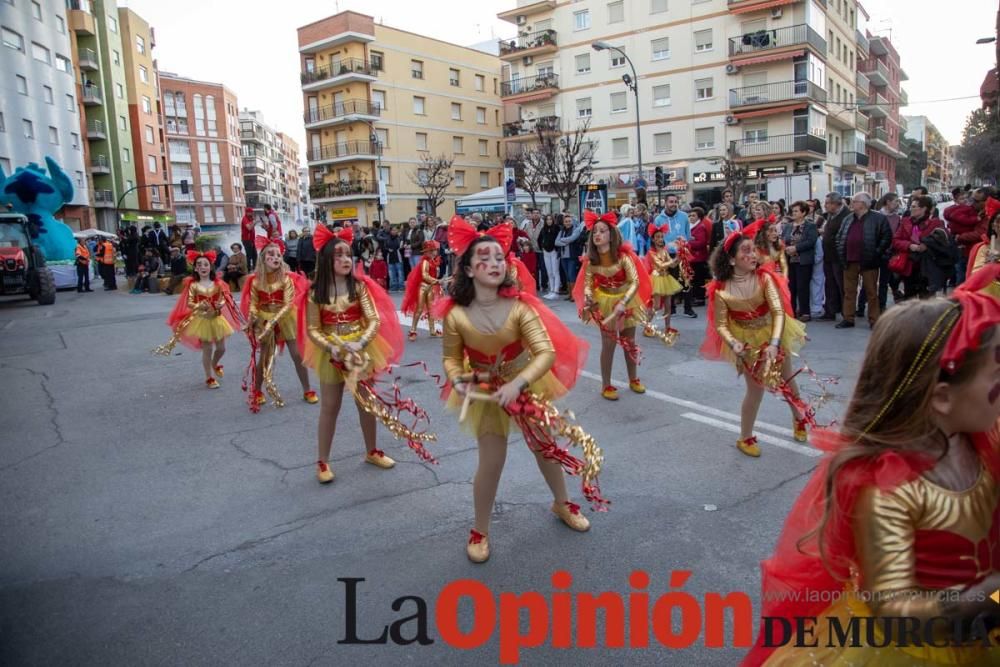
point(632, 83)
point(378, 175)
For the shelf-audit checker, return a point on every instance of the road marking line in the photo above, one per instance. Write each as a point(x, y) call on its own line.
point(407, 320)
point(733, 428)
point(691, 405)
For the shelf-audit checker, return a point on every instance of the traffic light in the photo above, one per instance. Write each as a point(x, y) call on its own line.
point(660, 181)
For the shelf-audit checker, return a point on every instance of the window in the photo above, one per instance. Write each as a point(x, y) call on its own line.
point(122, 123)
point(22, 84)
point(119, 91)
point(619, 147)
point(41, 54)
point(126, 155)
point(47, 94)
point(143, 74)
point(453, 75)
point(484, 147)
point(385, 175)
point(382, 136)
point(457, 145)
point(704, 89)
point(480, 83)
point(581, 20)
point(702, 40)
point(481, 115)
point(147, 105)
point(151, 161)
point(661, 95)
point(417, 69)
point(154, 193)
point(616, 12)
point(60, 25)
point(53, 136)
point(423, 175)
point(421, 141)
point(484, 179)
point(149, 135)
point(5, 165)
point(584, 109)
point(619, 102)
point(377, 60)
point(459, 179)
point(378, 99)
point(418, 106)
point(3, 126)
point(36, 10)
point(140, 44)
point(12, 39)
point(617, 59)
point(583, 63)
point(663, 142)
point(70, 103)
point(29, 129)
point(704, 138)
point(660, 48)
point(116, 57)
point(657, 6)
point(75, 139)
point(456, 111)
point(753, 134)
point(112, 24)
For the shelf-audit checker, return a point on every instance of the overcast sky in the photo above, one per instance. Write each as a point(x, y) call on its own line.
point(251, 45)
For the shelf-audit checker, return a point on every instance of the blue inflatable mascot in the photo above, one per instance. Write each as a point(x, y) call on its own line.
point(31, 192)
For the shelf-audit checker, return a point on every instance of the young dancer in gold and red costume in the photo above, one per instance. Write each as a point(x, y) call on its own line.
point(507, 357)
point(900, 522)
point(771, 249)
point(268, 306)
point(422, 288)
point(347, 332)
point(984, 258)
point(204, 316)
point(659, 263)
point(615, 290)
point(750, 324)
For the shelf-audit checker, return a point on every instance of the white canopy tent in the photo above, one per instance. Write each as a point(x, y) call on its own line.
point(495, 201)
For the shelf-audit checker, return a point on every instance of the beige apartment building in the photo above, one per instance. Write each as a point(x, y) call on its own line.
point(270, 166)
point(746, 80)
point(377, 100)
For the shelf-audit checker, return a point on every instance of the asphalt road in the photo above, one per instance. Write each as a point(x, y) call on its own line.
point(149, 521)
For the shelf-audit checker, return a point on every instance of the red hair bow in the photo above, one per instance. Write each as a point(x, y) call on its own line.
point(193, 255)
point(589, 218)
point(461, 235)
point(652, 229)
point(748, 232)
point(980, 312)
point(610, 218)
point(431, 245)
point(323, 235)
point(261, 242)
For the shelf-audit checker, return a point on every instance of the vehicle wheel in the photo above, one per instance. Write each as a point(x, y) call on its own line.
point(46, 287)
point(31, 283)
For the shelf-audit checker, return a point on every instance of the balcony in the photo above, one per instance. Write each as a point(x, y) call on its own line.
point(862, 122)
point(342, 112)
point(81, 20)
point(864, 85)
point(863, 44)
point(96, 131)
point(526, 9)
point(876, 106)
point(104, 199)
point(807, 146)
point(92, 95)
point(526, 129)
point(344, 152)
point(529, 44)
point(903, 76)
point(855, 162)
point(877, 72)
point(99, 164)
point(879, 134)
point(340, 71)
point(769, 94)
point(904, 98)
point(747, 6)
point(763, 41)
point(530, 88)
point(88, 59)
point(877, 47)
point(343, 191)
point(903, 125)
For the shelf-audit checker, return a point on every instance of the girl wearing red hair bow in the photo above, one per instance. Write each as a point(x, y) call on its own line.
point(204, 316)
point(347, 328)
point(984, 258)
point(659, 263)
point(617, 290)
point(268, 305)
point(750, 314)
point(899, 521)
point(422, 288)
point(499, 344)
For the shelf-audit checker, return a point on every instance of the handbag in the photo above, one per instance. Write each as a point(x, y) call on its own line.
point(901, 264)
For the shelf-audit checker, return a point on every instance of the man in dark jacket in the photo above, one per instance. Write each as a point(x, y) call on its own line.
point(391, 243)
point(833, 270)
point(862, 243)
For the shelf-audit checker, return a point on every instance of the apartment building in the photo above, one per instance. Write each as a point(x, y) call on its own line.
point(40, 107)
point(936, 177)
point(201, 128)
point(880, 65)
point(847, 127)
point(141, 89)
point(270, 166)
point(377, 100)
point(288, 175)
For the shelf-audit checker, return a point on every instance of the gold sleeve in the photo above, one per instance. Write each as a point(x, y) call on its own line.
point(773, 299)
point(371, 316)
point(254, 300)
point(453, 352)
point(884, 531)
point(289, 295)
point(722, 318)
point(314, 328)
point(429, 277)
point(536, 339)
point(980, 260)
point(191, 301)
point(588, 282)
point(632, 276)
point(783, 261)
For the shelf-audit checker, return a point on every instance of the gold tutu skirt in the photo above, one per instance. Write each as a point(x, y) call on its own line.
point(318, 359)
point(286, 325)
point(665, 285)
point(484, 417)
point(792, 339)
point(993, 289)
point(869, 656)
point(606, 302)
point(208, 329)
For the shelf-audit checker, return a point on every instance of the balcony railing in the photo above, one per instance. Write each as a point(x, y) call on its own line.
point(343, 150)
point(862, 41)
point(904, 98)
point(343, 189)
point(520, 128)
point(529, 84)
point(779, 144)
point(342, 109)
point(95, 129)
point(82, 5)
point(876, 71)
point(339, 68)
point(531, 40)
point(853, 159)
point(769, 93)
point(88, 59)
point(99, 163)
point(864, 85)
point(766, 40)
point(879, 134)
point(92, 94)
point(104, 198)
point(863, 124)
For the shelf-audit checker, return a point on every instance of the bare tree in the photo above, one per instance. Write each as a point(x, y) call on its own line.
point(526, 175)
point(736, 177)
point(563, 162)
point(433, 176)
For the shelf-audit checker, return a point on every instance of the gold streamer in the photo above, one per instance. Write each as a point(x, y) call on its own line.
point(175, 337)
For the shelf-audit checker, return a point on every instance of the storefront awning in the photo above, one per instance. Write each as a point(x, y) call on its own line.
point(772, 111)
point(771, 57)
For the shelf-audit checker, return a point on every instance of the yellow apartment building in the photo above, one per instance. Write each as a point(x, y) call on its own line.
point(377, 100)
